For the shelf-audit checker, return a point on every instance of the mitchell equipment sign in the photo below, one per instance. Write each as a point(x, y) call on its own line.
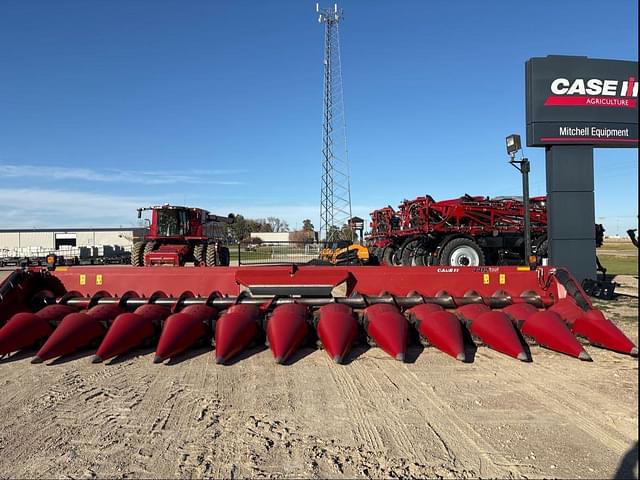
point(581, 101)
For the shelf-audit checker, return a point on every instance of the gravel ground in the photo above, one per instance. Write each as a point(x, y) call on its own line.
point(375, 417)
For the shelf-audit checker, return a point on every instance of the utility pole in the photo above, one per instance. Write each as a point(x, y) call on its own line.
point(335, 194)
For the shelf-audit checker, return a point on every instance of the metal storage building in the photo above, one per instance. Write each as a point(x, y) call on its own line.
point(55, 238)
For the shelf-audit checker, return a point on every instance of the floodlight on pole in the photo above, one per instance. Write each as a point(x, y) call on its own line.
point(513, 146)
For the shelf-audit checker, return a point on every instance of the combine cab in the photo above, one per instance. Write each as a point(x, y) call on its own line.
point(182, 234)
point(114, 310)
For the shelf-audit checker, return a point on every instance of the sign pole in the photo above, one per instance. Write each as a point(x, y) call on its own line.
point(524, 168)
point(571, 209)
point(573, 105)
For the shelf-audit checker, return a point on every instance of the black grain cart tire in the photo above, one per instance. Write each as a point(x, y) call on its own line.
point(136, 254)
point(462, 252)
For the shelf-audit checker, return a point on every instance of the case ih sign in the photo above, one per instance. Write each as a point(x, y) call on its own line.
point(580, 100)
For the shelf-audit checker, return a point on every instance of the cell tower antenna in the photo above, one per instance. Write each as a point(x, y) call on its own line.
point(335, 194)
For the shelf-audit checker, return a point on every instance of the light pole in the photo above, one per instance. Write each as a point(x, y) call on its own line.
point(513, 146)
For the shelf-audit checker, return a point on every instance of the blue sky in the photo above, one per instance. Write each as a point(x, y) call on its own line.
point(106, 106)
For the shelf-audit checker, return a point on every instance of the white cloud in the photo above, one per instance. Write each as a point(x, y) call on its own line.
point(32, 207)
point(140, 177)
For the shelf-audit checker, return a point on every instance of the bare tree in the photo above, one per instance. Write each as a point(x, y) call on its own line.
point(277, 224)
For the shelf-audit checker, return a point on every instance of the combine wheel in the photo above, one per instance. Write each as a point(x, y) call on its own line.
point(211, 256)
point(148, 248)
point(462, 252)
point(137, 258)
point(217, 256)
point(199, 253)
point(224, 258)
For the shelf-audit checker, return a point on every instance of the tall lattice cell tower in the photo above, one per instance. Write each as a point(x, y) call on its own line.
point(335, 195)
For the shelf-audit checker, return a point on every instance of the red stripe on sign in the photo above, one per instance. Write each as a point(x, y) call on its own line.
point(591, 139)
point(585, 101)
point(632, 80)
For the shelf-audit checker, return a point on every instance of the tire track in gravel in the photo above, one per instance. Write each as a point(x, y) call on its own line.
point(576, 410)
point(80, 410)
point(182, 429)
point(209, 434)
point(349, 386)
point(394, 419)
point(106, 416)
point(451, 427)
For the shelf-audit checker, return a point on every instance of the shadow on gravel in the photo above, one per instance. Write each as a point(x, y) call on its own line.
point(299, 355)
point(19, 355)
point(470, 347)
point(72, 356)
point(413, 352)
point(189, 354)
point(525, 345)
point(244, 354)
point(627, 469)
point(356, 352)
point(130, 355)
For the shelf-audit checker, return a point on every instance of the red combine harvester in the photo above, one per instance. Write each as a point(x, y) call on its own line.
point(466, 231)
point(114, 310)
point(182, 234)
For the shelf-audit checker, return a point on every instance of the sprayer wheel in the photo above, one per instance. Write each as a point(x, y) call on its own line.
point(409, 251)
point(542, 246)
point(420, 256)
point(136, 254)
point(462, 252)
point(199, 253)
point(388, 254)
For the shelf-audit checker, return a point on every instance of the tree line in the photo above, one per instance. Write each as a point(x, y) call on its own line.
point(240, 230)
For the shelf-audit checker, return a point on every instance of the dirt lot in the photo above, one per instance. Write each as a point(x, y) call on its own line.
point(375, 417)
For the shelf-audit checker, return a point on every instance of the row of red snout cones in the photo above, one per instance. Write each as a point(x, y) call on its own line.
point(64, 329)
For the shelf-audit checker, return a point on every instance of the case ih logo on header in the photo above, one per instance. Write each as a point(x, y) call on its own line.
point(593, 92)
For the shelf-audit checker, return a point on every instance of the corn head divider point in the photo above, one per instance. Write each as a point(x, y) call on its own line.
point(117, 309)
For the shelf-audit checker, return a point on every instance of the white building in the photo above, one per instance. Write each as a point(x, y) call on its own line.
point(31, 242)
point(271, 237)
